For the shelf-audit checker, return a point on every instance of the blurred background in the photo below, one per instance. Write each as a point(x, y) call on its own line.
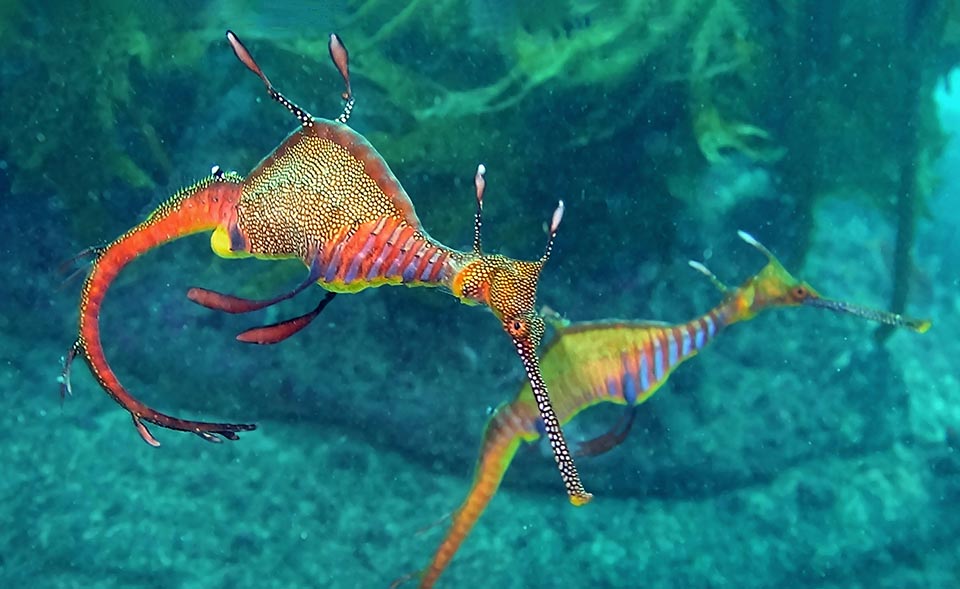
point(803, 449)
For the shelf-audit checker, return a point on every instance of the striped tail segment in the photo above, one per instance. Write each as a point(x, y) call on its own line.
point(658, 350)
point(387, 250)
point(510, 425)
point(207, 205)
point(621, 362)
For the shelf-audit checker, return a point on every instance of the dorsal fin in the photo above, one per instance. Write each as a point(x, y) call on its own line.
point(332, 166)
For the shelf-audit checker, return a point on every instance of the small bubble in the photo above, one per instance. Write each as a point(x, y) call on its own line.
point(41, 137)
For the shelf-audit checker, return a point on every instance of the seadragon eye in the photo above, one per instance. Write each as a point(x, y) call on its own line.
point(800, 293)
point(517, 328)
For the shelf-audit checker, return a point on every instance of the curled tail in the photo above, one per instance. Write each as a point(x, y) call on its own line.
point(210, 204)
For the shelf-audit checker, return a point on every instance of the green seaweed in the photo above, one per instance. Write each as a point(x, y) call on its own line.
point(536, 93)
point(82, 118)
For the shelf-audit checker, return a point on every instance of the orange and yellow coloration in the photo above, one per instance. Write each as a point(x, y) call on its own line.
point(204, 206)
point(326, 197)
point(622, 362)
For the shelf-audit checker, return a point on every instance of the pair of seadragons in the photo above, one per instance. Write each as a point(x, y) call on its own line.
point(326, 197)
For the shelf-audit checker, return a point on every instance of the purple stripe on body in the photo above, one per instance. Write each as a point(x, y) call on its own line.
point(411, 270)
point(352, 271)
point(375, 269)
point(359, 258)
point(699, 338)
point(331, 270)
point(426, 270)
point(408, 273)
point(644, 371)
point(685, 330)
point(629, 382)
point(394, 268)
point(672, 348)
point(657, 359)
point(613, 386)
point(540, 427)
point(384, 254)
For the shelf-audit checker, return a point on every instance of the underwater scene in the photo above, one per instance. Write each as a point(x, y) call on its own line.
point(684, 290)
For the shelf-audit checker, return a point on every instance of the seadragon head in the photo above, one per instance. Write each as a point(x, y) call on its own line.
point(505, 285)
point(509, 288)
point(773, 286)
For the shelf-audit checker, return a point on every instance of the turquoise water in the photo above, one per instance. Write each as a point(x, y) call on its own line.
point(795, 452)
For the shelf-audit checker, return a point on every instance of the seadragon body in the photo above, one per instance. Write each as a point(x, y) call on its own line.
point(621, 362)
point(327, 198)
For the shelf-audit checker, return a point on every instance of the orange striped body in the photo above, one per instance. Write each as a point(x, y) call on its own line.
point(385, 251)
point(620, 362)
point(586, 364)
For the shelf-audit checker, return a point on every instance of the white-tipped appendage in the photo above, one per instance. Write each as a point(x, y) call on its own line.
point(557, 217)
point(753, 241)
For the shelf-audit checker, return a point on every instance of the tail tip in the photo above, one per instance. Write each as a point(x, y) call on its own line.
point(581, 499)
